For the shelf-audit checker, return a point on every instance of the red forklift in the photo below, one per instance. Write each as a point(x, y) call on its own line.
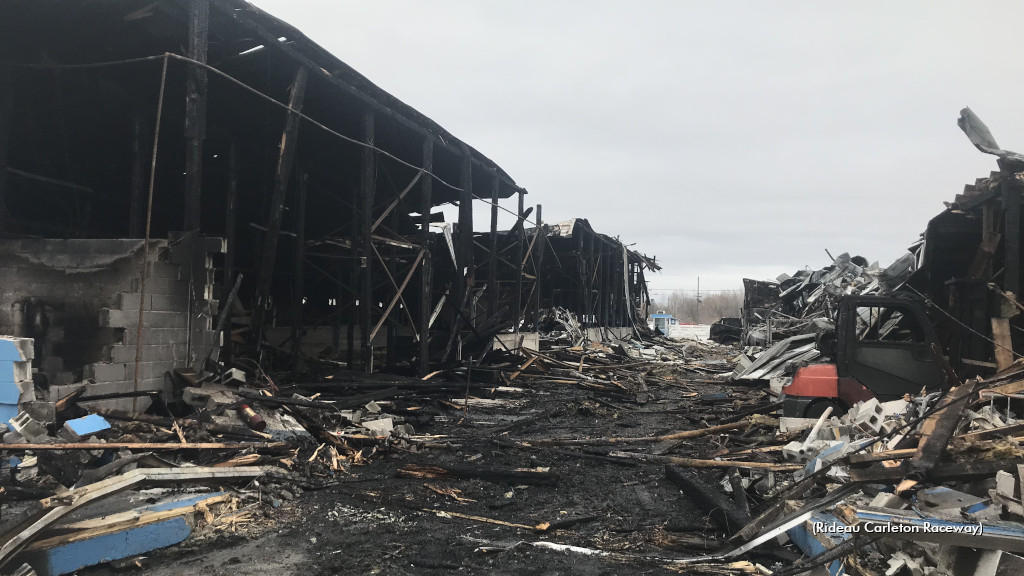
point(883, 347)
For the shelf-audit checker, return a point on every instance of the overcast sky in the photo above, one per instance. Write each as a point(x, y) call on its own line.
point(730, 139)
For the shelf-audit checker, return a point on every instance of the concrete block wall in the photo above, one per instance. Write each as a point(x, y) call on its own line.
point(80, 300)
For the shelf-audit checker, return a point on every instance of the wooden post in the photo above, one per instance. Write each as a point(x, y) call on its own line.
point(350, 328)
point(195, 110)
point(591, 272)
point(520, 238)
point(492, 268)
point(602, 287)
point(285, 159)
point(427, 277)
point(230, 222)
point(1011, 203)
point(464, 254)
point(299, 271)
point(581, 269)
point(140, 161)
point(367, 190)
point(394, 318)
point(466, 248)
point(231, 218)
point(538, 259)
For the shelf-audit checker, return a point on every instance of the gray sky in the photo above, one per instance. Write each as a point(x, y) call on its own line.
point(730, 139)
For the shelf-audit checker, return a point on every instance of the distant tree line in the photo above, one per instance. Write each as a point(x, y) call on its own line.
point(685, 306)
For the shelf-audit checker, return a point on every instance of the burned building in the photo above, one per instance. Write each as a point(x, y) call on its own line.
point(196, 179)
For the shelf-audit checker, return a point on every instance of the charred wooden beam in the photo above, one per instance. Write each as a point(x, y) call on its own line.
point(285, 159)
point(299, 271)
point(537, 477)
point(398, 295)
point(391, 270)
point(367, 191)
point(520, 238)
point(538, 259)
point(389, 211)
point(350, 329)
point(426, 277)
point(195, 110)
point(230, 237)
point(465, 253)
point(709, 497)
point(492, 269)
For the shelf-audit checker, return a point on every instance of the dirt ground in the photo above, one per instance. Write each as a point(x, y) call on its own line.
point(372, 522)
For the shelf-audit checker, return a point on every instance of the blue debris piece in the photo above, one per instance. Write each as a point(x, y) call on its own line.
point(812, 544)
point(87, 425)
point(15, 371)
point(14, 349)
point(132, 542)
point(9, 393)
point(8, 412)
point(67, 558)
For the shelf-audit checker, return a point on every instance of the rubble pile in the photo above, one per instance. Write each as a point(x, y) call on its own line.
point(808, 300)
point(920, 485)
point(276, 435)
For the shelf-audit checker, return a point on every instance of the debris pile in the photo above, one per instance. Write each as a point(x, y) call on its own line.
point(921, 484)
point(808, 300)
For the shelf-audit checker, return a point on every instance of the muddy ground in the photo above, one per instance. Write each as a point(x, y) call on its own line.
point(374, 523)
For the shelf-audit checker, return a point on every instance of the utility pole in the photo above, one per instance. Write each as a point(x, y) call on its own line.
point(697, 319)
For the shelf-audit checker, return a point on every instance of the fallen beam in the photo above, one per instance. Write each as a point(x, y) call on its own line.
point(697, 463)
point(149, 446)
point(534, 476)
point(709, 497)
point(684, 435)
point(938, 428)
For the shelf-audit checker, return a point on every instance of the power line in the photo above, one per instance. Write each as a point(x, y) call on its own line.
point(702, 290)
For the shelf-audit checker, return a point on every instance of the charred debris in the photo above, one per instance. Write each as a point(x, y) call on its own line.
point(227, 281)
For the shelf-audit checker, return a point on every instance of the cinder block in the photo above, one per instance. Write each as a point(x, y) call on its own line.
point(62, 378)
point(1006, 484)
point(51, 364)
point(106, 372)
point(130, 301)
point(161, 286)
point(794, 452)
point(28, 427)
point(98, 388)
point(148, 370)
point(166, 270)
point(28, 392)
point(149, 353)
point(156, 336)
point(43, 412)
point(169, 302)
point(868, 417)
point(151, 319)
